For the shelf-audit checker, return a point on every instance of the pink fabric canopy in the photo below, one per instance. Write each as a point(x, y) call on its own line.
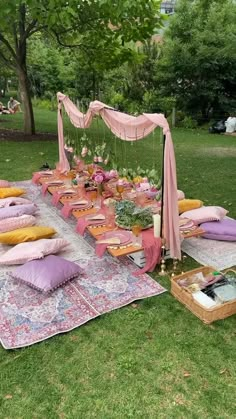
point(131, 128)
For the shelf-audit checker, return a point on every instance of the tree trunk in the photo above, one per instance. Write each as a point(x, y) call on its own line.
point(29, 125)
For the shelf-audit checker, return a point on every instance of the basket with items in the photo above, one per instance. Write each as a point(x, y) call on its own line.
point(209, 294)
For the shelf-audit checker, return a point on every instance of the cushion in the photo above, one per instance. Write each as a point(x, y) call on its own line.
point(24, 252)
point(181, 195)
point(16, 222)
point(204, 214)
point(5, 192)
point(189, 204)
point(7, 202)
point(46, 274)
point(224, 230)
point(4, 184)
point(26, 234)
point(17, 210)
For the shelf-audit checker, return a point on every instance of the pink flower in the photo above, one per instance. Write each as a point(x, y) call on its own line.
point(70, 149)
point(100, 159)
point(95, 159)
point(99, 178)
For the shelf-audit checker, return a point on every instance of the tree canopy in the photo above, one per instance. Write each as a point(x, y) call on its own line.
point(198, 63)
point(89, 25)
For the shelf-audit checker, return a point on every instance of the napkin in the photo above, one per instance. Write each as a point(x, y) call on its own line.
point(83, 223)
point(38, 175)
point(70, 206)
point(152, 251)
point(46, 185)
point(56, 196)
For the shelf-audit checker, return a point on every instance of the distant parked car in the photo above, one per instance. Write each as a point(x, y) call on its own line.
point(218, 127)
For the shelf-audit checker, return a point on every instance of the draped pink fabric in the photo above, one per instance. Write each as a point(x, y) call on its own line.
point(131, 128)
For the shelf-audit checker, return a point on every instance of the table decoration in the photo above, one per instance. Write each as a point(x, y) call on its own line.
point(128, 214)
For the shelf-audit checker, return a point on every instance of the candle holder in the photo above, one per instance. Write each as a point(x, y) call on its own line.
point(163, 262)
point(175, 267)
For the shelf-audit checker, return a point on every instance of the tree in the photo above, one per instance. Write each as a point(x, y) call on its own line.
point(198, 61)
point(86, 24)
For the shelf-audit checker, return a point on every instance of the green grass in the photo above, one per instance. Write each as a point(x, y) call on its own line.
point(130, 363)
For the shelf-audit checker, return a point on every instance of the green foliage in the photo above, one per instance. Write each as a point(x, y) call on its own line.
point(188, 122)
point(198, 62)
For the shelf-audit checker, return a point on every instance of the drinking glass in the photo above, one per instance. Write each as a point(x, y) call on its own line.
point(93, 196)
point(137, 238)
point(110, 216)
point(90, 169)
point(120, 189)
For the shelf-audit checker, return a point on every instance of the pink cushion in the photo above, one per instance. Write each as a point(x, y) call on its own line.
point(46, 274)
point(17, 210)
point(24, 252)
point(8, 202)
point(4, 184)
point(205, 214)
point(13, 223)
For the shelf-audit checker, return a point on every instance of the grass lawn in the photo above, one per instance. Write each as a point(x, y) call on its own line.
point(150, 360)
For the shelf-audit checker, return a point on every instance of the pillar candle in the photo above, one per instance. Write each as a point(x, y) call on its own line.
point(157, 225)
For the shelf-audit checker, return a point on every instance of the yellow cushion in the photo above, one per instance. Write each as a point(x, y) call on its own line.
point(6, 192)
point(189, 204)
point(26, 234)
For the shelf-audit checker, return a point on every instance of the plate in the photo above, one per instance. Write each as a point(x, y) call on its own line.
point(81, 207)
point(69, 192)
point(130, 227)
point(54, 182)
point(124, 236)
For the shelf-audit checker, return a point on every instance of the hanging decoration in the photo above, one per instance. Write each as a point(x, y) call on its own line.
point(131, 128)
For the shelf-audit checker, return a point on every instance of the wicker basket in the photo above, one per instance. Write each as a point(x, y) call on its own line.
point(205, 314)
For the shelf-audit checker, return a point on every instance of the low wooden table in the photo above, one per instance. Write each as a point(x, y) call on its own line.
point(97, 231)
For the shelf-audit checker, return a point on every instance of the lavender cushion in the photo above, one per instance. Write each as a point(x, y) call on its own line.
point(17, 210)
point(224, 230)
point(46, 274)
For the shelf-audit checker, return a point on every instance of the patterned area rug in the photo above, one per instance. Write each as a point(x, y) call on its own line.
point(218, 254)
point(28, 317)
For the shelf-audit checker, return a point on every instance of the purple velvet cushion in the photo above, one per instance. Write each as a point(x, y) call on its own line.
point(17, 210)
point(46, 274)
point(224, 230)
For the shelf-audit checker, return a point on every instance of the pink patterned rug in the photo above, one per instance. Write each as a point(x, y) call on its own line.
point(28, 317)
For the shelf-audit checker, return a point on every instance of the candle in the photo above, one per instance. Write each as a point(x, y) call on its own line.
point(157, 225)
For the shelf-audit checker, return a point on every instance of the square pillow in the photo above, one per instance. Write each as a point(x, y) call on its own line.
point(24, 252)
point(46, 274)
point(13, 223)
point(5, 192)
point(205, 214)
point(26, 234)
point(17, 210)
point(4, 183)
point(8, 202)
point(224, 230)
point(189, 204)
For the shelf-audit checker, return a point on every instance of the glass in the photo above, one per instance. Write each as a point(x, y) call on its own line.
point(141, 198)
point(110, 216)
point(93, 196)
point(81, 188)
point(137, 237)
point(90, 169)
point(120, 189)
point(98, 202)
